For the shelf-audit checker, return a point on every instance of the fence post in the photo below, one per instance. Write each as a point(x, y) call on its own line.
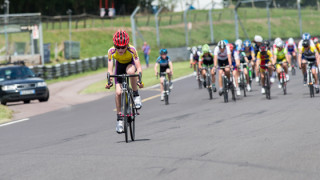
point(211, 25)
point(186, 26)
point(133, 26)
point(236, 18)
point(170, 19)
point(269, 24)
point(300, 21)
point(157, 25)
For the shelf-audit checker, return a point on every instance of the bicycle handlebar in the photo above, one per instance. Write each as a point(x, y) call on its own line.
point(124, 76)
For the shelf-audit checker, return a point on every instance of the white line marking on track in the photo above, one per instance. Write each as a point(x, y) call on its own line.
point(9, 123)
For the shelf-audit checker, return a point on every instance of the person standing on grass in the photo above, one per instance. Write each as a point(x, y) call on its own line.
point(146, 52)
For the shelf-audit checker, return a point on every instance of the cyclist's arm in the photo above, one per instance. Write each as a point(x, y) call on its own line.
point(110, 61)
point(229, 56)
point(171, 67)
point(191, 58)
point(200, 61)
point(156, 67)
point(299, 59)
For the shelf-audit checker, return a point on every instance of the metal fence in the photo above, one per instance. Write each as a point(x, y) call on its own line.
point(66, 69)
point(268, 18)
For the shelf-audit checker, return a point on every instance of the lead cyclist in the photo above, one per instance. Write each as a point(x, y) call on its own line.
point(126, 62)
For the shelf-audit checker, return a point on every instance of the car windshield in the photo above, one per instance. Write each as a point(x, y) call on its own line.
point(10, 73)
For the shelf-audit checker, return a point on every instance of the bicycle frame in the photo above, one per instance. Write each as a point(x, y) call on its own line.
point(283, 78)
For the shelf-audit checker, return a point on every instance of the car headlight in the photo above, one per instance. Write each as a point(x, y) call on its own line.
point(41, 84)
point(9, 87)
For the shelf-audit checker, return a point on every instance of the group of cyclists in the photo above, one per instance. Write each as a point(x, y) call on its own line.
point(254, 56)
point(258, 56)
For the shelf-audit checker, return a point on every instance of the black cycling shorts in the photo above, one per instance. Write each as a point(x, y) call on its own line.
point(121, 69)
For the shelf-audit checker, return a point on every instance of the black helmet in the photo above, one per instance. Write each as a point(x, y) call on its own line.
point(306, 43)
point(267, 43)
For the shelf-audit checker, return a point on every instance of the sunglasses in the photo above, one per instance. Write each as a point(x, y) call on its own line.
point(120, 47)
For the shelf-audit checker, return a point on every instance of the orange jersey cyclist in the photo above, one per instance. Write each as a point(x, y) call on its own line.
point(126, 62)
point(264, 57)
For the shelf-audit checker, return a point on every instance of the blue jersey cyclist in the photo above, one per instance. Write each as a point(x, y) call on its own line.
point(166, 66)
point(127, 62)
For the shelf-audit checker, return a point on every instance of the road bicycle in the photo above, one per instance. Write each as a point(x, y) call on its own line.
point(208, 80)
point(166, 87)
point(243, 80)
point(227, 84)
point(310, 79)
point(266, 85)
point(283, 78)
point(128, 108)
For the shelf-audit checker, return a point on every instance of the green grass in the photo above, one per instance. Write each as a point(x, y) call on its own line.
point(148, 78)
point(5, 114)
point(76, 76)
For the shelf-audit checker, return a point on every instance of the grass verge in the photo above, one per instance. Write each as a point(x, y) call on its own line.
point(148, 78)
point(5, 114)
point(76, 76)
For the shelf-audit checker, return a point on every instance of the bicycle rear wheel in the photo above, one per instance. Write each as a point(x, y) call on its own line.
point(284, 84)
point(293, 71)
point(243, 84)
point(311, 90)
point(225, 89)
point(267, 88)
point(199, 83)
point(166, 95)
point(131, 119)
point(124, 109)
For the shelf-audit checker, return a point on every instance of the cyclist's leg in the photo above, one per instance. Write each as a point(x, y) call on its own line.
point(262, 77)
point(168, 71)
point(131, 69)
point(285, 66)
point(278, 70)
point(118, 98)
point(213, 78)
point(161, 84)
point(315, 75)
point(246, 74)
point(236, 75)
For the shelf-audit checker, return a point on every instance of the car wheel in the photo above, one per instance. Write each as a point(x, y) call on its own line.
point(3, 102)
point(26, 101)
point(44, 99)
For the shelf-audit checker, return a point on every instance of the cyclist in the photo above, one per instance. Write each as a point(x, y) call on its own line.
point(309, 53)
point(165, 66)
point(292, 52)
point(235, 63)
point(267, 43)
point(305, 36)
point(127, 62)
point(247, 56)
point(194, 59)
point(274, 46)
point(316, 43)
point(258, 42)
point(280, 55)
point(222, 57)
point(206, 59)
point(238, 44)
point(264, 57)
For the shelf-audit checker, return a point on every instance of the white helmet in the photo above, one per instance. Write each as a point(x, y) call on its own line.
point(277, 40)
point(238, 44)
point(290, 41)
point(221, 44)
point(258, 38)
point(279, 44)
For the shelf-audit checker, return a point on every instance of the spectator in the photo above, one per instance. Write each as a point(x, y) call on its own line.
point(146, 52)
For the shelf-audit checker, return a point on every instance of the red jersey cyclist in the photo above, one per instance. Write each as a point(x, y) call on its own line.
point(126, 62)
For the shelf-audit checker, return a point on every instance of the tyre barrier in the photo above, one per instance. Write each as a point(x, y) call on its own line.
point(48, 73)
point(79, 66)
point(72, 68)
point(69, 68)
point(65, 69)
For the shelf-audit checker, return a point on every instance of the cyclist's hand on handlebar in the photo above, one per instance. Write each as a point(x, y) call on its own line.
point(109, 85)
point(140, 84)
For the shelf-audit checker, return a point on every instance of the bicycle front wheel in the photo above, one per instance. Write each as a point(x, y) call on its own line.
point(131, 121)
point(267, 88)
point(225, 89)
point(243, 84)
point(124, 112)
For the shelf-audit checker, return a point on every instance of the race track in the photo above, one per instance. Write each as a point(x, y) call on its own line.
point(191, 138)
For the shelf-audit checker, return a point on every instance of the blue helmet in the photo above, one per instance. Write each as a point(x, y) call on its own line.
point(226, 41)
point(163, 51)
point(306, 36)
point(247, 43)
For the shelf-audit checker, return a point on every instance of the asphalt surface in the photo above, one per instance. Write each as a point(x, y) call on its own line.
point(191, 138)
